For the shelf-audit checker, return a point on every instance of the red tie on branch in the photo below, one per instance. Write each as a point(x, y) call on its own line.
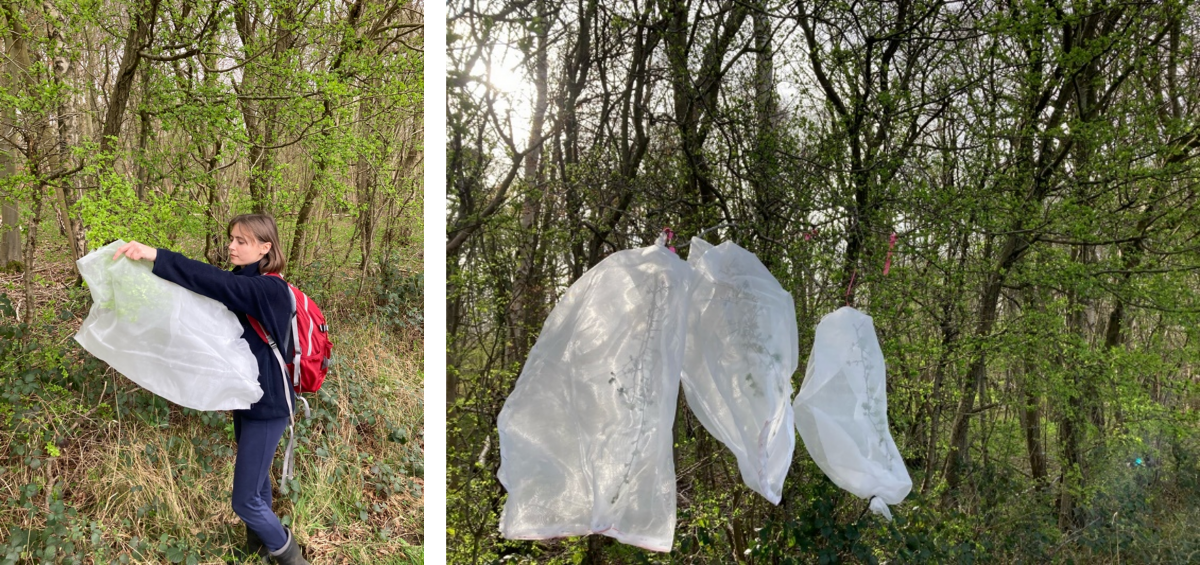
point(887, 265)
point(670, 238)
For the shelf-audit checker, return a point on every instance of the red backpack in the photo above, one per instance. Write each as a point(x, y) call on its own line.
point(310, 336)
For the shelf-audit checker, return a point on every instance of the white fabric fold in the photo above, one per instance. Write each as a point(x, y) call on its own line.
point(173, 342)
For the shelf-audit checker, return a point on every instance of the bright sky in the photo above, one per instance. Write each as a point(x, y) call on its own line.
point(499, 69)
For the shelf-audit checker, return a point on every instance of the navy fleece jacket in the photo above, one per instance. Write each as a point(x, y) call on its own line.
point(244, 291)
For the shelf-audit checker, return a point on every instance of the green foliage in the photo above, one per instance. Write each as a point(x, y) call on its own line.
point(116, 212)
point(65, 536)
point(399, 297)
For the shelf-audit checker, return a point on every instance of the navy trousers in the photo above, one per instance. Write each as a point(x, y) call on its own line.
point(256, 441)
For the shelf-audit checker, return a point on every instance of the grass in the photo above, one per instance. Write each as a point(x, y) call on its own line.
point(139, 481)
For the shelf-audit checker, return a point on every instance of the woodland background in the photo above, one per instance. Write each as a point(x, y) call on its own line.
point(159, 120)
point(1037, 161)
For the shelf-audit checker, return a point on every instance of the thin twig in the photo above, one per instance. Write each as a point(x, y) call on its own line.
point(704, 231)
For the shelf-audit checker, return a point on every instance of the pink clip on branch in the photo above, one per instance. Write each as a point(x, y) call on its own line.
point(670, 237)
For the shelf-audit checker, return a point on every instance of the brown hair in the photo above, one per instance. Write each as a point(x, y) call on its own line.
point(262, 227)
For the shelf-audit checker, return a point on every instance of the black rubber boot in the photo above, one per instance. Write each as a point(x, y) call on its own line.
point(289, 554)
point(255, 546)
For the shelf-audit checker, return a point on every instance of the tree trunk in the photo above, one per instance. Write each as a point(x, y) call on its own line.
point(365, 189)
point(17, 61)
point(763, 163)
point(366, 183)
point(140, 34)
point(524, 285)
point(30, 247)
point(299, 239)
point(695, 97)
point(950, 330)
point(1083, 403)
point(595, 550)
point(65, 193)
point(454, 315)
point(976, 380)
point(1031, 422)
point(145, 133)
point(10, 252)
point(215, 250)
point(31, 244)
point(1070, 475)
point(1031, 416)
point(260, 116)
point(576, 70)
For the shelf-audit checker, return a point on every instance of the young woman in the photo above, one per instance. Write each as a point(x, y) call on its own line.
point(254, 250)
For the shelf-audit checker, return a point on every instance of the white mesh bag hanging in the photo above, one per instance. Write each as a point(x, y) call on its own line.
point(585, 436)
point(742, 349)
point(841, 411)
point(169, 340)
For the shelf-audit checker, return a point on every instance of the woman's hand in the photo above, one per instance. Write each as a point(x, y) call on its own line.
point(136, 251)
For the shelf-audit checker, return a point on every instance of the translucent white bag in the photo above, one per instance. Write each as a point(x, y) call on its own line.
point(742, 349)
point(841, 411)
point(173, 342)
point(585, 437)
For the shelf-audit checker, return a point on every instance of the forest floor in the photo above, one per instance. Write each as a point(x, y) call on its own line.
point(95, 469)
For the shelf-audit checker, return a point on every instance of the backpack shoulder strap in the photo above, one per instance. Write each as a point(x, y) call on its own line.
point(292, 291)
point(258, 329)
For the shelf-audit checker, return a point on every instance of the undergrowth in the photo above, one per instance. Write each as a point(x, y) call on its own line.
point(94, 469)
